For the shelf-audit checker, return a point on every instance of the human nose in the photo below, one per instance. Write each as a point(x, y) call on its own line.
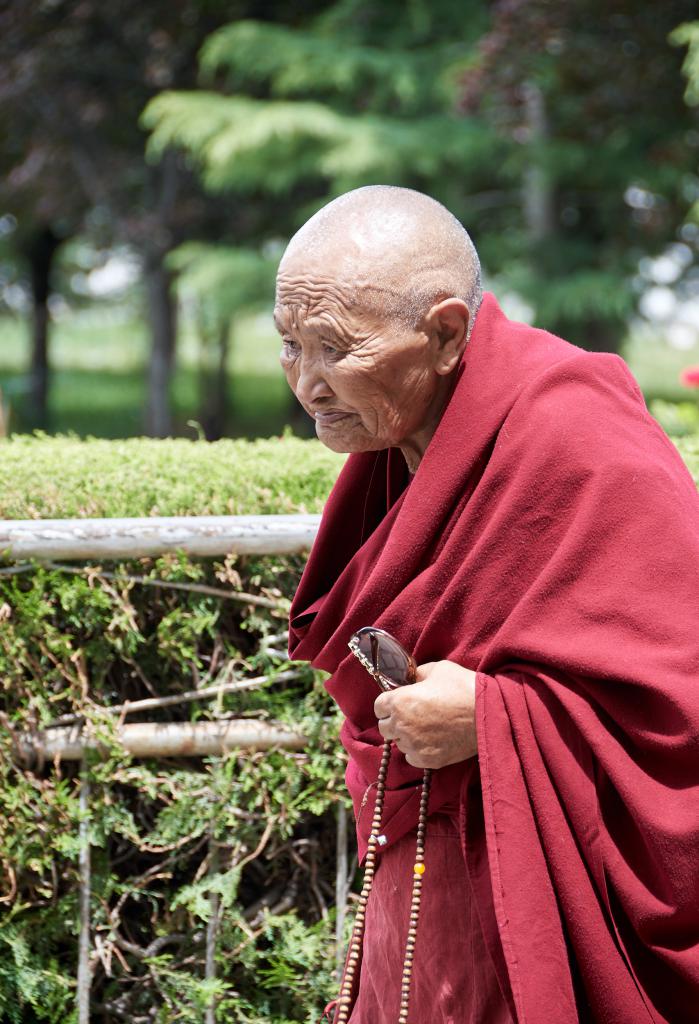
point(311, 384)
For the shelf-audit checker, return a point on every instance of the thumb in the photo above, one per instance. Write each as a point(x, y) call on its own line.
point(423, 671)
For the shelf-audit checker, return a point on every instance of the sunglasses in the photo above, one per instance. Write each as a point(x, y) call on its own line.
point(383, 657)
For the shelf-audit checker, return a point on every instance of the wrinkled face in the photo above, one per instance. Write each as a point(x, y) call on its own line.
point(367, 383)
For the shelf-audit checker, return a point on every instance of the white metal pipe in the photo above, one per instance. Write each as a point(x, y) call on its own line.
point(163, 739)
point(154, 535)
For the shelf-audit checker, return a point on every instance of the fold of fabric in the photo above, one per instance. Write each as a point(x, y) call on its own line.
point(453, 977)
point(549, 541)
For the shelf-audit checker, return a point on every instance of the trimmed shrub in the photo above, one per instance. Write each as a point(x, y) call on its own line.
point(244, 844)
point(64, 478)
point(689, 450)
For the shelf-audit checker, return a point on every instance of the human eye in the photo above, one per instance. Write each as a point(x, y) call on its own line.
point(332, 351)
point(290, 347)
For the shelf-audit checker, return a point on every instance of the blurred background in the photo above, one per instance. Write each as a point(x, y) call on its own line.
point(156, 156)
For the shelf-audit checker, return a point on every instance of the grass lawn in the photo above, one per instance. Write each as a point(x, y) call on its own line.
point(657, 365)
point(99, 378)
point(99, 388)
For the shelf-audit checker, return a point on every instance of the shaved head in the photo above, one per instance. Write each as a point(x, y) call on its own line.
point(394, 252)
point(376, 297)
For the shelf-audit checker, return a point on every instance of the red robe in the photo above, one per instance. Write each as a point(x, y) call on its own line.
point(549, 541)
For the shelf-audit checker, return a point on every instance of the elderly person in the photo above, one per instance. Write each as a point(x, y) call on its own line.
point(515, 518)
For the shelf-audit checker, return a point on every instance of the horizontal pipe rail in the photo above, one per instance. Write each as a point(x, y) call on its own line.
point(161, 739)
point(155, 535)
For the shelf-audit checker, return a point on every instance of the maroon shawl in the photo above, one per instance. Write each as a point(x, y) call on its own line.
point(549, 541)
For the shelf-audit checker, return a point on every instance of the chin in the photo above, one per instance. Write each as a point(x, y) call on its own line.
point(349, 443)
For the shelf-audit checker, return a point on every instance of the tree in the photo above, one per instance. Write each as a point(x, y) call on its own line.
point(588, 98)
point(73, 81)
point(555, 132)
point(687, 35)
point(218, 283)
point(297, 114)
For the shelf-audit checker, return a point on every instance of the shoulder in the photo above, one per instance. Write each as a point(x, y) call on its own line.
point(582, 382)
point(585, 415)
point(588, 396)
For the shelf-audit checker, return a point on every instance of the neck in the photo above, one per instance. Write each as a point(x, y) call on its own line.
point(412, 453)
point(415, 446)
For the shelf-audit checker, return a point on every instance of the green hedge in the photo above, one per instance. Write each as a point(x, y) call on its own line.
point(689, 450)
point(73, 645)
point(46, 477)
point(253, 835)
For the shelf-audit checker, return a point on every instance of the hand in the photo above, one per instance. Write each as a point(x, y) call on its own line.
point(432, 721)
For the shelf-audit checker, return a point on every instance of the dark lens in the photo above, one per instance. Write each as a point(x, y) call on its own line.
point(386, 654)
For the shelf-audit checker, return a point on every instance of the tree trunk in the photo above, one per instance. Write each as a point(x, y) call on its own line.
point(595, 334)
point(538, 198)
point(162, 316)
point(214, 384)
point(299, 420)
point(40, 251)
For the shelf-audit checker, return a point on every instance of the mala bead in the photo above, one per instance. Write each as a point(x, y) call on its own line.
point(344, 1002)
point(415, 899)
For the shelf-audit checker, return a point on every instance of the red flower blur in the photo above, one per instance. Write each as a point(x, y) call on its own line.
point(690, 376)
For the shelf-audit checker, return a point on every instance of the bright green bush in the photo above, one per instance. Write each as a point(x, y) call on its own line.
point(255, 832)
point(689, 450)
point(64, 477)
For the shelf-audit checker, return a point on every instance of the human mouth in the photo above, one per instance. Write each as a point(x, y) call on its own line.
point(331, 417)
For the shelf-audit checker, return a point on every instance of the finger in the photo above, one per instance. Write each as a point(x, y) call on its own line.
point(424, 670)
point(387, 728)
point(414, 759)
point(383, 705)
point(417, 760)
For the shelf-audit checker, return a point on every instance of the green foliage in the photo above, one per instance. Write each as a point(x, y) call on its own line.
point(494, 112)
point(241, 142)
point(294, 62)
point(688, 35)
point(689, 450)
point(587, 297)
point(42, 477)
point(26, 987)
point(235, 140)
point(356, 95)
point(588, 97)
point(74, 646)
point(222, 281)
point(677, 419)
point(245, 839)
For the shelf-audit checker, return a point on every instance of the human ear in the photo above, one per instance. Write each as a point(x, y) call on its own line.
point(448, 322)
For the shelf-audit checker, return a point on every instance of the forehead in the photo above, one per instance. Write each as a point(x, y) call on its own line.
point(319, 323)
point(321, 309)
point(314, 289)
point(310, 298)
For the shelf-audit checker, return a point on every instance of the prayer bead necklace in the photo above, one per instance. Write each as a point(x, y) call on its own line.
point(353, 962)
